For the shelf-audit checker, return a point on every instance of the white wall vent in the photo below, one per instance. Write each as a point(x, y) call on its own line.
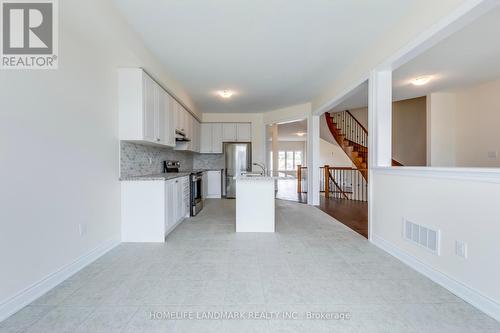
point(422, 236)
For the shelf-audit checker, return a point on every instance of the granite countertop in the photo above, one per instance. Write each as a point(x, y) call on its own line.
point(158, 176)
point(261, 177)
point(165, 176)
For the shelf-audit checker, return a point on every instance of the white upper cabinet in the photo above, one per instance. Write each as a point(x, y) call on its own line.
point(244, 132)
point(206, 138)
point(213, 135)
point(150, 107)
point(217, 138)
point(211, 138)
point(228, 132)
point(145, 114)
point(169, 120)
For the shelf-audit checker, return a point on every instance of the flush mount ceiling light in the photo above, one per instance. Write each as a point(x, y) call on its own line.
point(421, 80)
point(301, 133)
point(225, 93)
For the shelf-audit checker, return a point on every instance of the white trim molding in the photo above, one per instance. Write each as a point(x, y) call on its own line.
point(37, 289)
point(470, 295)
point(486, 175)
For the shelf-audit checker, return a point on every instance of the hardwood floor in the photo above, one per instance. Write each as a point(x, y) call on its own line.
point(353, 214)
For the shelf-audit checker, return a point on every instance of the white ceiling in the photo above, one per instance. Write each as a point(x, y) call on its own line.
point(273, 53)
point(469, 56)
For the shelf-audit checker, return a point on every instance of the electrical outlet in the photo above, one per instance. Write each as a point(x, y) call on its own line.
point(492, 155)
point(82, 229)
point(461, 249)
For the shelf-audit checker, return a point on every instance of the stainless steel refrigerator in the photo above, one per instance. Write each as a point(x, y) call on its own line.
point(238, 159)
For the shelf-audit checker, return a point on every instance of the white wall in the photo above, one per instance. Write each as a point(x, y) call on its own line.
point(440, 129)
point(59, 147)
point(464, 210)
point(464, 126)
point(331, 154)
point(409, 145)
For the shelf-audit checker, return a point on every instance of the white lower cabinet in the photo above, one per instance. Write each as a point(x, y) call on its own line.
point(152, 209)
point(214, 181)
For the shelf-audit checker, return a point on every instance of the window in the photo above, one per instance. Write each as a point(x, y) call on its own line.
point(298, 158)
point(288, 160)
point(281, 160)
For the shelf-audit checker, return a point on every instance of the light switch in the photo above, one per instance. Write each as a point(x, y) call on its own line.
point(461, 249)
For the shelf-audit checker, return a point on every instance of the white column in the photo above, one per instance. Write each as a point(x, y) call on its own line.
point(274, 147)
point(313, 160)
point(380, 131)
point(380, 119)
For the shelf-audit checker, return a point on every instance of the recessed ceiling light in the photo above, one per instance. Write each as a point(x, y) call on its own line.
point(301, 133)
point(420, 81)
point(225, 93)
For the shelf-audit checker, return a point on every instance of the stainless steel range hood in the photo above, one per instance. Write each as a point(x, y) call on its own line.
point(181, 136)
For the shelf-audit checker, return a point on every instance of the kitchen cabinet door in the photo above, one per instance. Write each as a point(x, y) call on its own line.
point(170, 204)
point(190, 131)
point(214, 184)
point(179, 209)
point(159, 114)
point(187, 196)
point(217, 138)
point(179, 120)
point(149, 109)
point(228, 132)
point(169, 122)
point(244, 132)
point(206, 138)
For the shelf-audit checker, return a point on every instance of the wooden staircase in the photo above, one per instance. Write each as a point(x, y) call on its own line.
point(352, 137)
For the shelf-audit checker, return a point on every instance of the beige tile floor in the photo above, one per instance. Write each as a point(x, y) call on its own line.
point(311, 264)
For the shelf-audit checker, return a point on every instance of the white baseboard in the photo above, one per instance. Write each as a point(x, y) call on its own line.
point(474, 297)
point(213, 197)
point(31, 293)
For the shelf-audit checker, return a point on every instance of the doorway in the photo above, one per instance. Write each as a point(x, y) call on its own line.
point(287, 156)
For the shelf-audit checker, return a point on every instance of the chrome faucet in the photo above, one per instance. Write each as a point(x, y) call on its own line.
point(262, 166)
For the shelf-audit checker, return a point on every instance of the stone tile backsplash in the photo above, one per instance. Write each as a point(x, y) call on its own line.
point(134, 159)
point(208, 161)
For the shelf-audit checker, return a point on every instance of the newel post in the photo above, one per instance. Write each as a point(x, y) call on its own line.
point(327, 181)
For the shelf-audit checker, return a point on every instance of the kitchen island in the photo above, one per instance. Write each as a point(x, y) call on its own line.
point(255, 203)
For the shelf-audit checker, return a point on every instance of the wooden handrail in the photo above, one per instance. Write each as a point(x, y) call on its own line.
point(357, 121)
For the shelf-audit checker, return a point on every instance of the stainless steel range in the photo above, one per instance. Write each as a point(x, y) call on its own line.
point(195, 186)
